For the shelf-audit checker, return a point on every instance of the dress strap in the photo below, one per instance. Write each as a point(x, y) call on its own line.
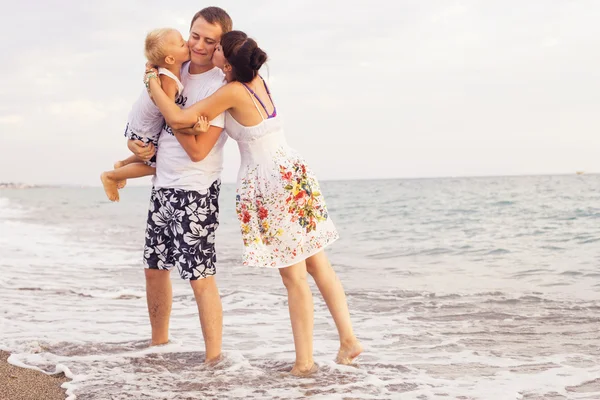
point(270, 98)
point(251, 93)
point(261, 102)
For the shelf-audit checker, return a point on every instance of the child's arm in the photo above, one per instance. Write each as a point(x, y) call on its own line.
point(169, 86)
point(202, 125)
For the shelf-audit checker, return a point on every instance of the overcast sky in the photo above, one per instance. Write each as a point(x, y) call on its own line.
point(369, 89)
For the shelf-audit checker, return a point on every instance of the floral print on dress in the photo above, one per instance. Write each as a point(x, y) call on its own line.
point(282, 213)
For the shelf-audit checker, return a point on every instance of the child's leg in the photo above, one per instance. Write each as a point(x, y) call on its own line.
point(130, 171)
point(129, 160)
point(110, 179)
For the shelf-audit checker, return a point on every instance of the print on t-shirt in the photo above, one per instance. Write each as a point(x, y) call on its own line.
point(181, 100)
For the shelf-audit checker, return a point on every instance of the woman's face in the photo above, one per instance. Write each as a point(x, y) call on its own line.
point(218, 58)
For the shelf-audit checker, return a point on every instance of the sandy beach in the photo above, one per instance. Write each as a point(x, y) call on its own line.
point(27, 384)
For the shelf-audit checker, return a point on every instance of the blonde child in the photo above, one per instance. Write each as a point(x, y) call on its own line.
point(167, 49)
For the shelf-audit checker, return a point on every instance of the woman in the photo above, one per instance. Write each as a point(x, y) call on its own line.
point(283, 217)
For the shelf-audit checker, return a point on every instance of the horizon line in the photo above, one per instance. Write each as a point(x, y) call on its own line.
point(33, 185)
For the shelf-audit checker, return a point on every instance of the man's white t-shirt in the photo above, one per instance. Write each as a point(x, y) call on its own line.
point(174, 169)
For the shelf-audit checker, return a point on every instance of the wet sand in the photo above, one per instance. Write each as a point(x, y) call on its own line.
point(27, 384)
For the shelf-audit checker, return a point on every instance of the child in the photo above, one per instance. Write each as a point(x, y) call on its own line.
point(167, 49)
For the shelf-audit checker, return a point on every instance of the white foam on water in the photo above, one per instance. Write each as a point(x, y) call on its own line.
point(433, 325)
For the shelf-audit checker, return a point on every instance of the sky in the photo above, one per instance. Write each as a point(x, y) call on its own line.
point(368, 89)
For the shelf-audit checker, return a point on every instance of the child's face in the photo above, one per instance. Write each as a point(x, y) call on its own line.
point(177, 48)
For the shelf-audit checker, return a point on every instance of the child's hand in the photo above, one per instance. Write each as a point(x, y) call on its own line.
point(202, 125)
point(150, 69)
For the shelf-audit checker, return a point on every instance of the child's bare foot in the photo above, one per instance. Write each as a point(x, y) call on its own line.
point(304, 370)
point(110, 187)
point(348, 352)
point(120, 184)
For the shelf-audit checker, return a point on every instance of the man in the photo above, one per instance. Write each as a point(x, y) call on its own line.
point(183, 214)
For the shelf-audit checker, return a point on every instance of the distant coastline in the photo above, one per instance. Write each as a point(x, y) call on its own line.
point(17, 185)
point(142, 184)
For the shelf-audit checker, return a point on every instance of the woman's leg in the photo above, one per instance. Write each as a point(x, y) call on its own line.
point(301, 314)
point(333, 293)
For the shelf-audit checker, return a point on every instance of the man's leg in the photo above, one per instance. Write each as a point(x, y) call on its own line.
point(159, 295)
point(211, 315)
point(157, 247)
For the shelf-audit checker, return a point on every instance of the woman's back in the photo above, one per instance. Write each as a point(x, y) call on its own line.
point(254, 103)
point(254, 119)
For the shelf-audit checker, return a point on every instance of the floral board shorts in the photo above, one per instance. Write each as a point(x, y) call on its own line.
point(180, 231)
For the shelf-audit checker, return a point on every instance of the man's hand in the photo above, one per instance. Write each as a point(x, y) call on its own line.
point(142, 151)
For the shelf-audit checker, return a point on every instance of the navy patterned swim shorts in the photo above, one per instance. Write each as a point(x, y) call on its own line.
point(181, 229)
point(131, 135)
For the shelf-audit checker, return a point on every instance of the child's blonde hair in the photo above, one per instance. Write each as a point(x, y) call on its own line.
point(155, 48)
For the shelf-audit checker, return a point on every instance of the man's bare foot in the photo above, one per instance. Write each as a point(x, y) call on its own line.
point(349, 352)
point(152, 344)
point(120, 184)
point(110, 187)
point(304, 370)
point(211, 362)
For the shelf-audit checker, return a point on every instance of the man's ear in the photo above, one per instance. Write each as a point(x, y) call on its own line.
point(170, 60)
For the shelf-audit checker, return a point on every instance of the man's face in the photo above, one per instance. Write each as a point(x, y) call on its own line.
point(202, 42)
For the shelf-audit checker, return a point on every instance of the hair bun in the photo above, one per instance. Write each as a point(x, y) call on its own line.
point(257, 58)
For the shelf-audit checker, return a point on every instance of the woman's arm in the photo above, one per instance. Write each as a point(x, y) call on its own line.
point(197, 147)
point(177, 118)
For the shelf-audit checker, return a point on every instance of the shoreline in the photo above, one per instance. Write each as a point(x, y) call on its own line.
point(18, 383)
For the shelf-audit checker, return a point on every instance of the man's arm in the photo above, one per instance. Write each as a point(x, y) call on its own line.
point(142, 151)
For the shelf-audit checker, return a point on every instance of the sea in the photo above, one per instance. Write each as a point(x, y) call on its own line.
point(459, 288)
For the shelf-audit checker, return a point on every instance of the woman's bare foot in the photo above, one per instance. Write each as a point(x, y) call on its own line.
point(120, 184)
point(110, 187)
point(349, 352)
point(304, 370)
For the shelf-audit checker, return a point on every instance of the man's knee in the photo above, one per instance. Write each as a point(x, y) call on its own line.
point(201, 286)
point(156, 275)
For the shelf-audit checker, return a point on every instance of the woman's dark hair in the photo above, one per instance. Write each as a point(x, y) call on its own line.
point(243, 54)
